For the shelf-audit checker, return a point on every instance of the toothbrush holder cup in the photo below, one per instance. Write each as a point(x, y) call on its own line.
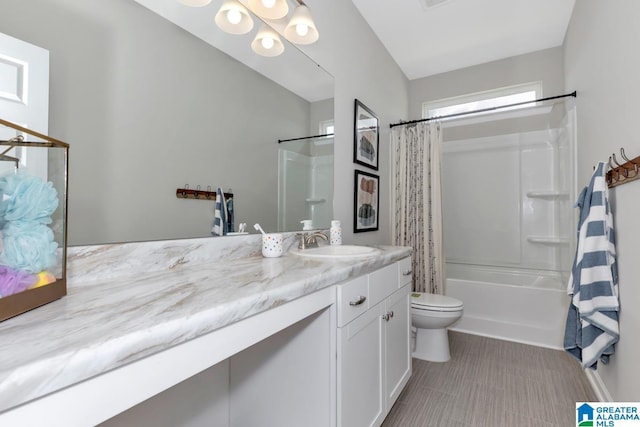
point(272, 245)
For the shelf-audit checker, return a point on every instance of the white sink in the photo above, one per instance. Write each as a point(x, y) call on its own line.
point(338, 251)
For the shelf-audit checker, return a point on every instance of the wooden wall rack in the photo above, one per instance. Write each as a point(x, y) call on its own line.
point(197, 193)
point(619, 174)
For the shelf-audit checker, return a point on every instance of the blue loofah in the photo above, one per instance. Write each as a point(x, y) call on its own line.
point(28, 246)
point(26, 198)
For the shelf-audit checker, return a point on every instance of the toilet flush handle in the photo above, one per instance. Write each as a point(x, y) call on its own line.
point(407, 273)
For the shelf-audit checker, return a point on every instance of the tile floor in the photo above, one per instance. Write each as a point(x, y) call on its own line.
point(495, 383)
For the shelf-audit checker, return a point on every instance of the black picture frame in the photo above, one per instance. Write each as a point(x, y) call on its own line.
point(366, 201)
point(366, 136)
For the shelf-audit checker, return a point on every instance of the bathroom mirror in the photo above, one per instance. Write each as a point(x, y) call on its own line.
point(148, 107)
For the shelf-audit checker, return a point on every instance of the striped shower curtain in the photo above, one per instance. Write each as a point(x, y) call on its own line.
point(417, 201)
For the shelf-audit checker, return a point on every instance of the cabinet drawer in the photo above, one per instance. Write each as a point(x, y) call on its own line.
point(405, 274)
point(353, 299)
point(382, 283)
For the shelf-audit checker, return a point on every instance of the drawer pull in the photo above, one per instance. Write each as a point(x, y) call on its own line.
point(407, 273)
point(386, 317)
point(390, 313)
point(358, 302)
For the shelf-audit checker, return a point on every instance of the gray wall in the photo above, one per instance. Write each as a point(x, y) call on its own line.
point(602, 64)
point(363, 69)
point(147, 108)
point(545, 65)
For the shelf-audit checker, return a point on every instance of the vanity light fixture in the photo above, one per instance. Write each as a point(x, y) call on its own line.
point(234, 18)
point(301, 28)
point(267, 42)
point(269, 9)
point(195, 3)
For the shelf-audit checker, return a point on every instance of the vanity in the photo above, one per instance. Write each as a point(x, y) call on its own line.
point(374, 358)
point(207, 332)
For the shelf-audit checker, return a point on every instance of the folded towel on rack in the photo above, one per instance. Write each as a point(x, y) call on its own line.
point(592, 321)
point(220, 215)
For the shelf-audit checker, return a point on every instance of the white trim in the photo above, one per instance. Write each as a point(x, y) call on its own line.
point(598, 386)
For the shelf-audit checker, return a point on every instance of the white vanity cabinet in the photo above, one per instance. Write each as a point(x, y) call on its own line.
point(374, 359)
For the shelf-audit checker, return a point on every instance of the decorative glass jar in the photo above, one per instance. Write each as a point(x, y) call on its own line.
point(33, 219)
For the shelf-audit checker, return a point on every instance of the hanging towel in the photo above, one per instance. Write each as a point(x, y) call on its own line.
point(230, 215)
point(592, 321)
point(220, 215)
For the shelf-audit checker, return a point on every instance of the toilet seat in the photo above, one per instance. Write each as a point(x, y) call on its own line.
point(433, 302)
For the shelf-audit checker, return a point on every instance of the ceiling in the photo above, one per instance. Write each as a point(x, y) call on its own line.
point(423, 40)
point(426, 40)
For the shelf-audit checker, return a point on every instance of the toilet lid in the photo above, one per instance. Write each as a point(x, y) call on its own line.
point(426, 301)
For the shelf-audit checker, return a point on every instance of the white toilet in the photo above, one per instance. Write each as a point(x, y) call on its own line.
point(431, 315)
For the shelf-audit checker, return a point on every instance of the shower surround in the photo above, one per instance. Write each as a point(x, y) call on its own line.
point(509, 227)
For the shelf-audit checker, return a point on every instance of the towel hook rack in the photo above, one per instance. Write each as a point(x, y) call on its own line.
point(199, 194)
point(622, 173)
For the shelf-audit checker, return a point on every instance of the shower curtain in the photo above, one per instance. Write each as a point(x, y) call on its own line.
point(417, 201)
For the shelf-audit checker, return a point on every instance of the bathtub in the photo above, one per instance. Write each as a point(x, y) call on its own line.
point(526, 306)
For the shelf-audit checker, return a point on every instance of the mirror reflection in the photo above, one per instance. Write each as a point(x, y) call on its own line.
point(149, 104)
point(305, 183)
point(304, 163)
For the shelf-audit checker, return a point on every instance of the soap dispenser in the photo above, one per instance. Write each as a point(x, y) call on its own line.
point(335, 233)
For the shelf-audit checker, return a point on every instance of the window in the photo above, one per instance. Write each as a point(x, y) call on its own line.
point(481, 100)
point(326, 127)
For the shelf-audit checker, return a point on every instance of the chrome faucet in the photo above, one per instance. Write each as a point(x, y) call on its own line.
point(308, 240)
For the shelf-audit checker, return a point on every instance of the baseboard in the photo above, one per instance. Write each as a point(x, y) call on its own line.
point(598, 386)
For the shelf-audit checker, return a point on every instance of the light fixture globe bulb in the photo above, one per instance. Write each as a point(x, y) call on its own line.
point(302, 29)
point(267, 43)
point(269, 9)
point(234, 16)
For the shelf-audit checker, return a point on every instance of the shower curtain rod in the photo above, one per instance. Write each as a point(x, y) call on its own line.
point(305, 137)
point(483, 110)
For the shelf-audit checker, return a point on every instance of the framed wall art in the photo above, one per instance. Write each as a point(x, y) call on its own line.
point(366, 202)
point(366, 136)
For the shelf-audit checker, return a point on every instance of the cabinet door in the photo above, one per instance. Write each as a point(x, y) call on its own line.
point(360, 371)
point(397, 346)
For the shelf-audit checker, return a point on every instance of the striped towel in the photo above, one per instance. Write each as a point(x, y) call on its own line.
point(592, 321)
point(220, 215)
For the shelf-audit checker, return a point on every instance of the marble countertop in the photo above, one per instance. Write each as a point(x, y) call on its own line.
point(105, 324)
